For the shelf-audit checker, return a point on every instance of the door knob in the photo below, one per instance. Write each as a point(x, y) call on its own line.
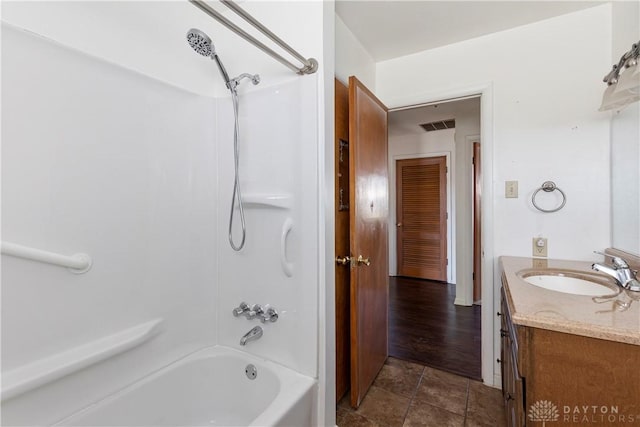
point(399, 224)
point(343, 260)
point(362, 260)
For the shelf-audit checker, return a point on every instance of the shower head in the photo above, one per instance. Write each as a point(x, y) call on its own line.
point(200, 42)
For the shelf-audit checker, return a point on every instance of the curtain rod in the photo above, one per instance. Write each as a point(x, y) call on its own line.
point(310, 65)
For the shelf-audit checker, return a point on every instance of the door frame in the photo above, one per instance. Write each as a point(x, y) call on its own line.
point(393, 203)
point(490, 287)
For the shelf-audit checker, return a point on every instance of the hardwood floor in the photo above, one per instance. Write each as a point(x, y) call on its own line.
point(426, 327)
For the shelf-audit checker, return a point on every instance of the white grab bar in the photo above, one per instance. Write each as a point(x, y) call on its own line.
point(56, 366)
point(78, 263)
point(287, 267)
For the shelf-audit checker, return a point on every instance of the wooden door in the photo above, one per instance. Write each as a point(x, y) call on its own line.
point(343, 355)
point(368, 214)
point(477, 236)
point(421, 193)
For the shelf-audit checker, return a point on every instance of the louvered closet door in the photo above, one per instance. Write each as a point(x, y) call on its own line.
point(422, 218)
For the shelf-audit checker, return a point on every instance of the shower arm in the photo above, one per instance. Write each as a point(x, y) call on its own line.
point(310, 65)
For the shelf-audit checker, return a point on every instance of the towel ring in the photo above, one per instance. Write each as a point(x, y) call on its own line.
point(549, 186)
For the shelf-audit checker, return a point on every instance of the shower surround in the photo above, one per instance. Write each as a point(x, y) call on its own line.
point(138, 173)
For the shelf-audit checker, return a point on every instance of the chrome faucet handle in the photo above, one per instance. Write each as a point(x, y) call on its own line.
point(270, 315)
point(255, 310)
point(243, 307)
point(615, 260)
point(619, 262)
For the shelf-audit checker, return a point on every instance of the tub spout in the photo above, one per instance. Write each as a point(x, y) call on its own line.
point(252, 335)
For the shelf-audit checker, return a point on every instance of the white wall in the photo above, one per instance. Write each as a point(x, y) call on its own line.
point(278, 157)
point(98, 159)
point(150, 37)
point(351, 57)
point(326, 230)
point(154, 226)
point(544, 83)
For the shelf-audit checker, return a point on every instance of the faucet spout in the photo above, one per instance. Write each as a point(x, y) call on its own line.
point(252, 335)
point(624, 276)
point(610, 271)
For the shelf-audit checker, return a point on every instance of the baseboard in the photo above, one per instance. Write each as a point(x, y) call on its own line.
point(497, 381)
point(460, 301)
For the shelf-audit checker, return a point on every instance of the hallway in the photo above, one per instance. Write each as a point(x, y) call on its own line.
point(426, 327)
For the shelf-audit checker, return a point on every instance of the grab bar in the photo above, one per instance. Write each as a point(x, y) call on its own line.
point(287, 267)
point(43, 371)
point(78, 263)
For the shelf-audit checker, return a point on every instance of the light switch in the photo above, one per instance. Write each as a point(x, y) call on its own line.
point(511, 189)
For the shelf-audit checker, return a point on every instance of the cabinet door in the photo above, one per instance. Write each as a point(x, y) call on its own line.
point(512, 384)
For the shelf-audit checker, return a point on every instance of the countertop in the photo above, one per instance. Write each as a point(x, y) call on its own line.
point(574, 314)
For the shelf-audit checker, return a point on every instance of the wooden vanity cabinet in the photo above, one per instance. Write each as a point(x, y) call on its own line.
point(581, 380)
point(512, 382)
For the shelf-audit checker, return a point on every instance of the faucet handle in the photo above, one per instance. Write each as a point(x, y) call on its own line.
point(243, 307)
point(619, 262)
point(255, 310)
point(270, 315)
point(615, 260)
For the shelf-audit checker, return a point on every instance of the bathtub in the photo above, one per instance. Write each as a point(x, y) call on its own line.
point(208, 388)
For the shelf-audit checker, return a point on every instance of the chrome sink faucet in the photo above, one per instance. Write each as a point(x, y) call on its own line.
point(621, 272)
point(252, 335)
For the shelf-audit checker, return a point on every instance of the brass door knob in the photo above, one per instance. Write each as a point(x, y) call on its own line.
point(399, 224)
point(343, 260)
point(362, 260)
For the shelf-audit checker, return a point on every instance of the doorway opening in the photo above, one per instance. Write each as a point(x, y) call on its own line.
point(443, 132)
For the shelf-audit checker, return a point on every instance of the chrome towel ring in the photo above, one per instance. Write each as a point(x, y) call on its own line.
point(549, 186)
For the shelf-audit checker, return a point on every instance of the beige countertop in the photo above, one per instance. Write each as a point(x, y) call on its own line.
point(574, 314)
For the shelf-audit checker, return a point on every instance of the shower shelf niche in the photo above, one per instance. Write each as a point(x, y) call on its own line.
point(268, 200)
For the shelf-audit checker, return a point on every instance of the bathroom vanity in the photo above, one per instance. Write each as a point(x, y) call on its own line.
point(567, 358)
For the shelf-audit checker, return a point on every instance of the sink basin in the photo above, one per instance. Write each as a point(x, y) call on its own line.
point(570, 282)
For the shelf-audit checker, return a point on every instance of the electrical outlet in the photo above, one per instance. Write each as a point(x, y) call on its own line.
point(539, 246)
point(511, 189)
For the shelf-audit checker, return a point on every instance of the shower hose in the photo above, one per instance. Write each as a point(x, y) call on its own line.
point(237, 195)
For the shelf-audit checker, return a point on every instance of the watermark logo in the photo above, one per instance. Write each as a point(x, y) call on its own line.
point(543, 411)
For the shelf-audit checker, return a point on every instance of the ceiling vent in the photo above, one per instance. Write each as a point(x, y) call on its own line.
point(439, 125)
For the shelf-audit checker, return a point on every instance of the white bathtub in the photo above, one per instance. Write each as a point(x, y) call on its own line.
point(208, 388)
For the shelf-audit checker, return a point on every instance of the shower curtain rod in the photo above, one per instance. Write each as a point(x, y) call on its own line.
point(310, 65)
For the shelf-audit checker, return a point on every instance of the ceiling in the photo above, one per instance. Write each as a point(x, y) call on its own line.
point(392, 28)
point(407, 122)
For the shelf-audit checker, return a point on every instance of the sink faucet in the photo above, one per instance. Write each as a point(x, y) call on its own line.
point(621, 272)
point(252, 335)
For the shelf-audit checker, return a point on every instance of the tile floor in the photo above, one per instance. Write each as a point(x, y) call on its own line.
point(409, 394)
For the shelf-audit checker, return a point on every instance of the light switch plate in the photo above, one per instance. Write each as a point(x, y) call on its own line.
point(539, 246)
point(511, 189)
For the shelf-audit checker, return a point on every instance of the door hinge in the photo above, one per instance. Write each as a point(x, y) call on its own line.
point(447, 261)
point(446, 169)
point(446, 215)
point(473, 276)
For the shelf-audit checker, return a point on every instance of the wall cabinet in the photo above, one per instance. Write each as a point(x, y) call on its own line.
point(561, 379)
